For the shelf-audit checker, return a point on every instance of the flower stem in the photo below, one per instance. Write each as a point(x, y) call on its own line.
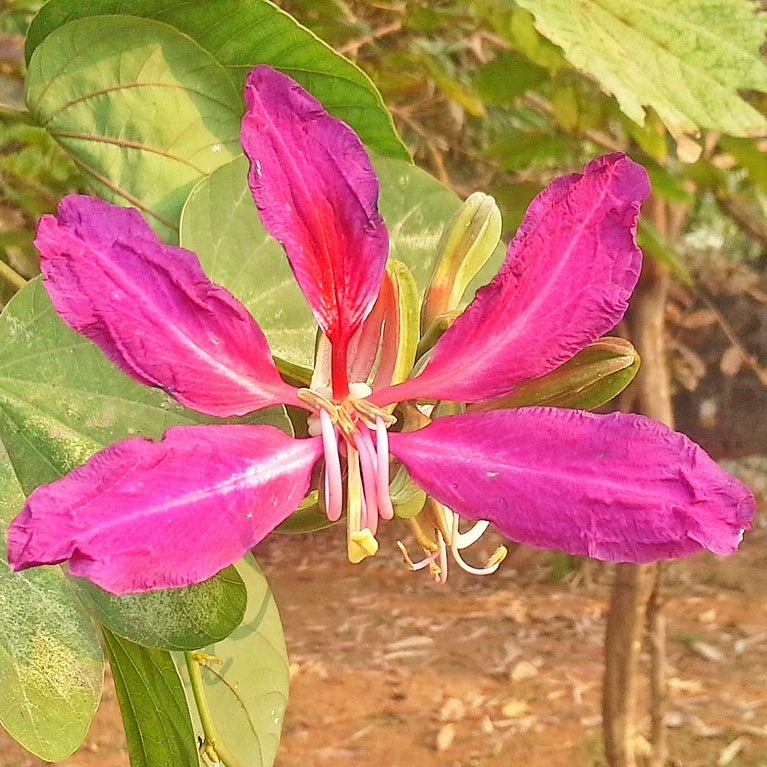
point(213, 747)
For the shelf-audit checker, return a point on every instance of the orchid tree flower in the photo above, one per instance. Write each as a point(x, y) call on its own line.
point(144, 515)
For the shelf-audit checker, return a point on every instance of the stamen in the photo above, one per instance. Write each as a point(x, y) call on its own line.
point(360, 541)
point(472, 535)
point(354, 487)
point(334, 492)
point(372, 412)
point(385, 507)
point(425, 562)
point(364, 445)
point(316, 401)
point(492, 564)
point(426, 543)
point(440, 516)
point(439, 571)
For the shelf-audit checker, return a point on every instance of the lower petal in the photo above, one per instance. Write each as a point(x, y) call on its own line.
point(614, 487)
point(145, 515)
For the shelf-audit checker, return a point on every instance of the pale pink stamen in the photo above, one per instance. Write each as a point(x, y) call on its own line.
point(425, 562)
point(364, 445)
point(385, 507)
point(334, 493)
point(440, 574)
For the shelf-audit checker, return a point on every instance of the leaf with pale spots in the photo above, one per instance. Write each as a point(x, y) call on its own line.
point(246, 686)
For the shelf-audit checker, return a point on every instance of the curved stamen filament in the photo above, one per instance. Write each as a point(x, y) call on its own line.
point(334, 492)
point(472, 535)
point(385, 507)
point(492, 564)
point(367, 457)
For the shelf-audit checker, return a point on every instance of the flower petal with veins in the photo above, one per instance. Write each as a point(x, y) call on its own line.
point(566, 280)
point(144, 515)
point(152, 310)
point(317, 194)
point(615, 487)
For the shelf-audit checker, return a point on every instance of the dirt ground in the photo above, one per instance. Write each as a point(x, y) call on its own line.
point(490, 672)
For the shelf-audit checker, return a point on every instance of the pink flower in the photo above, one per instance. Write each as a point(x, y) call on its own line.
point(144, 515)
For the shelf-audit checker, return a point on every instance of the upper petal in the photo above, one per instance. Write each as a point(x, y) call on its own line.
point(318, 195)
point(566, 280)
point(144, 515)
point(152, 310)
point(614, 487)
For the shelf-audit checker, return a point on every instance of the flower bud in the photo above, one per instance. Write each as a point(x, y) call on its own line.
point(467, 243)
point(592, 377)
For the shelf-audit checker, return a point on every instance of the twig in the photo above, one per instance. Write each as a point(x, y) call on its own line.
point(352, 47)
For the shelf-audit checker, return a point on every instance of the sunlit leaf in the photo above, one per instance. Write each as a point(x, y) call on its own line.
point(153, 706)
point(144, 110)
point(51, 663)
point(241, 34)
point(687, 59)
point(176, 619)
point(247, 690)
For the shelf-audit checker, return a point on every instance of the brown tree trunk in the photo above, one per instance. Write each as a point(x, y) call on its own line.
point(636, 594)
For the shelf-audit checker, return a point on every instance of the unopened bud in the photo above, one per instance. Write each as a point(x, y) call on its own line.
point(592, 377)
point(467, 243)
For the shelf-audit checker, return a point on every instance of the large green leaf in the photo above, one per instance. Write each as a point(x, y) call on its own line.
point(686, 59)
point(220, 223)
point(241, 34)
point(175, 619)
point(51, 664)
point(144, 110)
point(247, 690)
point(153, 706)
point(61, 399)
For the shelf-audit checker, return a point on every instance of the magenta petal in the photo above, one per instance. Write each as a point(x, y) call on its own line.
point(566, 280)
point(152, 310)
point(614, 487)
point(144, 515)
point(317, 194)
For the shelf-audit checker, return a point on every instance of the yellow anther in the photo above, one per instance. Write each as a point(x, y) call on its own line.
point(361, 545)
point(317, 401)
point(370, 412)
point(497, 557)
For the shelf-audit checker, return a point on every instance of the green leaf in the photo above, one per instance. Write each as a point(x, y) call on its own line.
point(240, 35)
point(247, 691)
point(51, 663)
point(61, 399)
point(144, 110)
point(173, 619)
point(507, 77)
point(220, 223)
point(153, 706)
point(307, 518)
point(687, 59)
